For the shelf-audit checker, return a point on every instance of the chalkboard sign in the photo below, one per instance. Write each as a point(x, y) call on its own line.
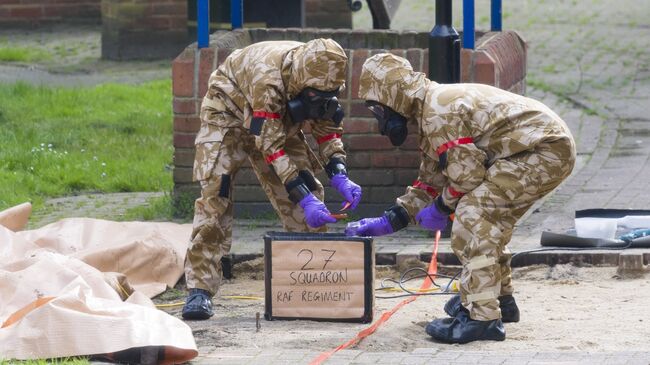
point(318, 276)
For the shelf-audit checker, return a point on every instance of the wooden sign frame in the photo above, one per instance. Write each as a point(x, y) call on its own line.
point(283, 240)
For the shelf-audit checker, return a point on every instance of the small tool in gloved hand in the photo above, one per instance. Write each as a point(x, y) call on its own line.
point(339, 216)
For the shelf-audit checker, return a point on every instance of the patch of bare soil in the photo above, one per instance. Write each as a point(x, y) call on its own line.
point(562, 308)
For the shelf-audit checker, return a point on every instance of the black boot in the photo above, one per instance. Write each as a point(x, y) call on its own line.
point(198, 305)
point(463, 329)
point(509, 309)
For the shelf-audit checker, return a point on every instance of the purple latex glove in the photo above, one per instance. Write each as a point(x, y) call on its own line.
point(316, 213)
point(369, 227)
point(348, 189)
point(431, 218)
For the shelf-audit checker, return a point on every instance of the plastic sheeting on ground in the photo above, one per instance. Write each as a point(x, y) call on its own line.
point(67, 289)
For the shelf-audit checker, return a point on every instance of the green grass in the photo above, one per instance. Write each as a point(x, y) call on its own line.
point(157, 209)
point(62, 141)
point(66, 361)
point(22, 54)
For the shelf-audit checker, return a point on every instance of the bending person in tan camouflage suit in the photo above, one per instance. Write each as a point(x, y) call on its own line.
point(487, 156)
point(256, 104)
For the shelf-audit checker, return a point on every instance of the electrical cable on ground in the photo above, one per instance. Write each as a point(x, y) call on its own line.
point(450, 289)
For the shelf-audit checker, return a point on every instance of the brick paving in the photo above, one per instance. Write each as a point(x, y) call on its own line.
point(423, 356)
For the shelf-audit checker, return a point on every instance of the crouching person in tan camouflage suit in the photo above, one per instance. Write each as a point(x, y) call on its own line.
point(256, 104)
point(487, 156)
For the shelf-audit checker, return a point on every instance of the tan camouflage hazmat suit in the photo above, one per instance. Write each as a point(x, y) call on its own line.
point(254, 84)
point(487, 154)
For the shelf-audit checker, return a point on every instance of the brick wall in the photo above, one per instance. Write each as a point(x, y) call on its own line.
point(382, 170)
point(143, 29)
point(31, 12)
point(327, 14)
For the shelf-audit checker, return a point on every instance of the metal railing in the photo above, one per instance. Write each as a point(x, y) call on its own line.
point(468, 21)
point(203, 19)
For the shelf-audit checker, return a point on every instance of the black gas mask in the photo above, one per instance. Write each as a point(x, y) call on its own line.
point(391, 123)
point(315, 104)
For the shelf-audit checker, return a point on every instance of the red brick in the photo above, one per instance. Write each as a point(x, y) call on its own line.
point(51, 11)
point(411, 143)
point(466, 65)
point(156, 22)
point(484, 68)
point(185, 106)
point(395, 159)
point(405, 177)
point(359, 56)
point(380, 193)
point(183, 74)
point(182, 175)
point(168, 8)
point(367, 142)
point(398, 52)
point(358, 159)
point(184, 157)
point(178, 23)
point(187, 124)
point(359, 110)
point(222, 54)
point(414, 56)
point(357, 126)
point(206, 66)
point(28, 12)
point(184, 140)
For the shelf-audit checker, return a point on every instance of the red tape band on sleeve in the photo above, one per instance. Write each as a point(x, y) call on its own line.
point(274, 156)
point(451, 144)
point(420, 185)
point(263, 114)
point(326, 138)
point(455, 193)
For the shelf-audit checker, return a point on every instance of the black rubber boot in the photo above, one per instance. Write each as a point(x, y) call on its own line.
point(509, 309)
point(462, 329)
point(198, 305)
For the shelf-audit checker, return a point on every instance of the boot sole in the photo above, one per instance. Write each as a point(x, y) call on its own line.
point(441, 338)
point(198, 315)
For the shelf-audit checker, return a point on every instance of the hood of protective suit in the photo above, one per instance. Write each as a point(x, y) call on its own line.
point(319, 64)
point(391, 81)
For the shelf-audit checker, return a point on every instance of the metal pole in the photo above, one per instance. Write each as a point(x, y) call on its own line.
point(444, 46)
point(237, 13)
point(203, 23)
point(468, 24)
point(496, 15)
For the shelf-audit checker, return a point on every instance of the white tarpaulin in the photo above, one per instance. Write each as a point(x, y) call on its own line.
point(66, 289)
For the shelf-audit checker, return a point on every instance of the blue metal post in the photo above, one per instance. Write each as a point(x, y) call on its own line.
point(468, 24)
point(203, 23)
point(496, 15)
point(237, 13)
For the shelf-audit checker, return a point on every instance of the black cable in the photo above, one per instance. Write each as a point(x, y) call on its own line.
point(446, 291)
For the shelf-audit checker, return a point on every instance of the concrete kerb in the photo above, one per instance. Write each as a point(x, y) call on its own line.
point(410, 246)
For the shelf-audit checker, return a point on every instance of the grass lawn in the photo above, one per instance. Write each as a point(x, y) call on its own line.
point(22, 54)
point(57, 141)
point(70, 361)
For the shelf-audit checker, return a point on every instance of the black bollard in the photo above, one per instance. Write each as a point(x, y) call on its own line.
point(444, 47)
